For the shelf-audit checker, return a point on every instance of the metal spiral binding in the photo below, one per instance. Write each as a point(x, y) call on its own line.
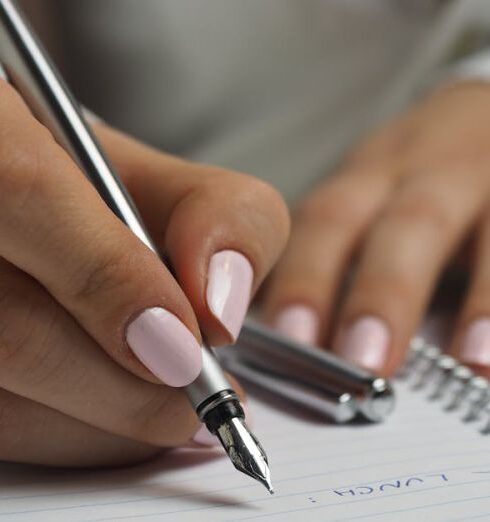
point(442, 378)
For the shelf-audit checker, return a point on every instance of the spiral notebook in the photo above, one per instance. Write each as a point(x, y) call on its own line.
point(429, 461)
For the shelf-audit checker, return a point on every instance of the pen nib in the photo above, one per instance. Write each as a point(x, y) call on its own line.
point(245, 451)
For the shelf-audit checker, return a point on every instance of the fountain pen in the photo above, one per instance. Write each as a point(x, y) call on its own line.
point(30, 70)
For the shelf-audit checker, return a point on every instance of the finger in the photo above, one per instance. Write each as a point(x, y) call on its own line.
point(471, 340)
point(35, 434)
point(55, 227)
point(221, 231)
point(301, 294)
point(400, 264)
point(46, 357)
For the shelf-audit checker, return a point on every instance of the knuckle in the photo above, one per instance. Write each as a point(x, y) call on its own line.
point(250, 187)
point(8, 414)
point(23, 161)
point(272, 201)
point(99, 276)
point(151, 423)
point(117, 270)
point(423, 210)
point(148, 419)
point(398, 285)
point(12, 338)
point(19, 179)
point(375, 149)
point(263, 189)
point(27, 322)
point(337, 209)
point(392, 290)
point(272, 213)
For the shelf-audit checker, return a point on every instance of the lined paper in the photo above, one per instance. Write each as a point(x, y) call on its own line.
point(421, 464)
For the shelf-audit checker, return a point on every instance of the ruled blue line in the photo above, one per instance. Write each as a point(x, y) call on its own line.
point(415, 508)
point(475, 517)
point(270, 499)
point(281, 464)
point(324, 457)
point(414, 492)
point(149, 497)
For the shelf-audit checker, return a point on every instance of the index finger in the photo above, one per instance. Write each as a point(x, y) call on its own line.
point(222, 231)
point(55, 227)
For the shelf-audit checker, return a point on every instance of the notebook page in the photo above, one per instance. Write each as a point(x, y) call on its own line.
point(422, 464)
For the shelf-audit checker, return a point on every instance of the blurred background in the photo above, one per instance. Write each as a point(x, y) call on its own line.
point(277, 88)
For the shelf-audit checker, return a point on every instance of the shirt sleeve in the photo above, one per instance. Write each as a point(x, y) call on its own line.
point(474, 67)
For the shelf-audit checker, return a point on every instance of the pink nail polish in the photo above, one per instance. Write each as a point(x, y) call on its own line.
point(476, 343)
point(205, 438)
point(299, 322)
point(230, 280)
point(165, 346)
point(366, 343)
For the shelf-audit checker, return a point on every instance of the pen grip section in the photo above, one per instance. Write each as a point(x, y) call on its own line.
point(210, 383)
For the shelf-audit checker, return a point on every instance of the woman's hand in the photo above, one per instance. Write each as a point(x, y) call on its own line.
point(96, 334)
point(403, 204)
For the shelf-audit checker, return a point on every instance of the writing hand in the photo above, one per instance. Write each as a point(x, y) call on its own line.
point(96, 335)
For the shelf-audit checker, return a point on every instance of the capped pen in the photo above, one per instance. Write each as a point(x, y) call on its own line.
point(334, 386)
point(31, 72)
point(327, 401)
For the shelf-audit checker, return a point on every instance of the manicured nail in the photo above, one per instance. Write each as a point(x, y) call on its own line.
point(229, 285)
point(3, 74)
point(366, 343)
point(205, 438)
point(165, 346)
point(476, 343)
point(299, 322)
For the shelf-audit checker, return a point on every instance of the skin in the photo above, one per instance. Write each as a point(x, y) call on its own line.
point(72, 393)
point(402, 207)
point(72, 277)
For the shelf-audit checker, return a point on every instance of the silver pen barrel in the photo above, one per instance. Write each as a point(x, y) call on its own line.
point(327, 401)
point(212, 382)
point(263, 348)
point(31, 71)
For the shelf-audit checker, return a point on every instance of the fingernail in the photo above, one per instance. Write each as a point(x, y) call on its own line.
point(476, 343)
point(205, 438)
point(229, 285)
point(299, 322)
point(366, 343)
point(165, 346)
